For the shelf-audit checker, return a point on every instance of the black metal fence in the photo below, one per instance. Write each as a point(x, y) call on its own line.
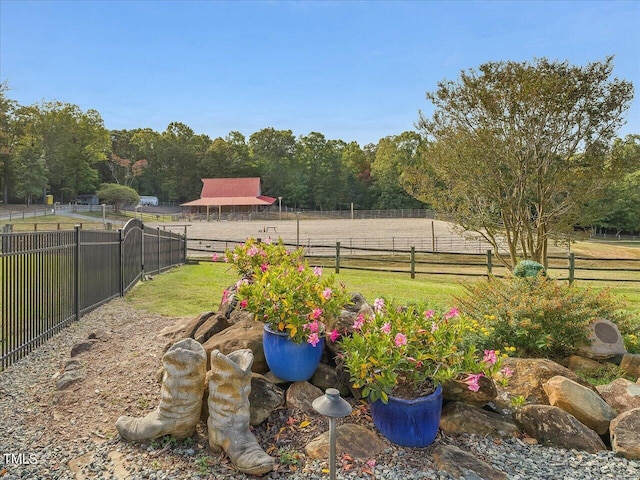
point(50, 279)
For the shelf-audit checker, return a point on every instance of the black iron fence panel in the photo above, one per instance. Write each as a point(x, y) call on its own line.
point(99, 268)
point(38, 289)
point(131, 254)
point(50, 279)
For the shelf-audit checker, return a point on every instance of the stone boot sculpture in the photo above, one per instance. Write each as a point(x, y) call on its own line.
point(181, 396)
point(228, 423)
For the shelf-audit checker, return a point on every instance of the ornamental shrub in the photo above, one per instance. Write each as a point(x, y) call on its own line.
point(538, 316)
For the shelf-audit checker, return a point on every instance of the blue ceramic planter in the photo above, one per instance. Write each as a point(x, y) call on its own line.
point(409, 423)
point(290, 361)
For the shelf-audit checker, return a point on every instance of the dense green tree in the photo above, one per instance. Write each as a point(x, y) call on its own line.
point(73, 142)
point(515, 150)
point(357, 171)
point(9, 135)
point(227, 157)
point(619, 209)
point(30, 173)
point(321, 159)
point(393, 154)
point(117, 195)
point(147, 144)
point(274, 154)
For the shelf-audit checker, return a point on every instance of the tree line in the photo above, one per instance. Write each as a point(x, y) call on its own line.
point(523, 152)
point(55, 148)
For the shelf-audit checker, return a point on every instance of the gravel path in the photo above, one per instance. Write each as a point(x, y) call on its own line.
point(70, 434)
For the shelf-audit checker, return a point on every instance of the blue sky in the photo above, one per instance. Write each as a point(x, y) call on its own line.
point(353, 70)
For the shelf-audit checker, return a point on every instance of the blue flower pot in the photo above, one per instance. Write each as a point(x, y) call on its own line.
point(290, 361)
point(409, 423)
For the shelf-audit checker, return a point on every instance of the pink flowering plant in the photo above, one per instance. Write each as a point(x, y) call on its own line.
point(285, 292)
point(254, 256)
point(408, 351)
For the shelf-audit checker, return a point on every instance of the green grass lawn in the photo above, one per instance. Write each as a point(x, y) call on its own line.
point(196, 288)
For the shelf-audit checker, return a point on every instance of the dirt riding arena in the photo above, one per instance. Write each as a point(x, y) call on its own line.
point(386, 233)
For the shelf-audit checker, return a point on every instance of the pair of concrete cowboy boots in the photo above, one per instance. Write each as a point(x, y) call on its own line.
point(180, 407)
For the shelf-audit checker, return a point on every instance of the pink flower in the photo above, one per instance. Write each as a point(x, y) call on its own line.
point(400, 339)
point(264, 267)
point(313, 327)
point(317, 313)
point(317, 271)
point(371, 463)
point(378, 304)
point(359, 321)
point(507, 372)
point(417, 362)
point(313, 339)
point(489, 357)
point(429, 314)
point(326, 294)
point(386, 328)
point(454, 312)
point(472, 381)
point(333, 336)
point(244, 303)
point(214, 257)
point(301, 268)
point(434, 327)
point(225, 296)
point(268, 241)
point(253, 251)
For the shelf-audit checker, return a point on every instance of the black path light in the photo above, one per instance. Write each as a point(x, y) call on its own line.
point(332, 405)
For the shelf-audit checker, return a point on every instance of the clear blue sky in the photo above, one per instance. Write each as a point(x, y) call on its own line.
point(354, 70)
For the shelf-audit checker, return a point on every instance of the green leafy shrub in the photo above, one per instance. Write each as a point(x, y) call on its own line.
point(629, 331)
point(538, 316)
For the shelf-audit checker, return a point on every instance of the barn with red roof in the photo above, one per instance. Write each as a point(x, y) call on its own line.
point(230, 195)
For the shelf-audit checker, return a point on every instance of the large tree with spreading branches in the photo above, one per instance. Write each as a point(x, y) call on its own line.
point(515, 150)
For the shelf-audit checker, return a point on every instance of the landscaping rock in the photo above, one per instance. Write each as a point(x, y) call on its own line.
point(458, 417)
point(177, 331)
point(300, 395)
point(197, 322)
point(553, 426)
point(238, 336)
point(240, 316)
point(458, 391)
point(584, 404)
point(73, 372)
point(326, 376)
point(269, 376)
point(529, 376)
point(590, 367)
point(631, 364)
point(606, 341)
point(355, 440)
point(264, 398)
point(621, 394)
point(625, 434)
point(213, 324)
point(82, 347)
point(461, 464)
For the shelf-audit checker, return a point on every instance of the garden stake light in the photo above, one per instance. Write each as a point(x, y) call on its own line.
point(333, 406)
